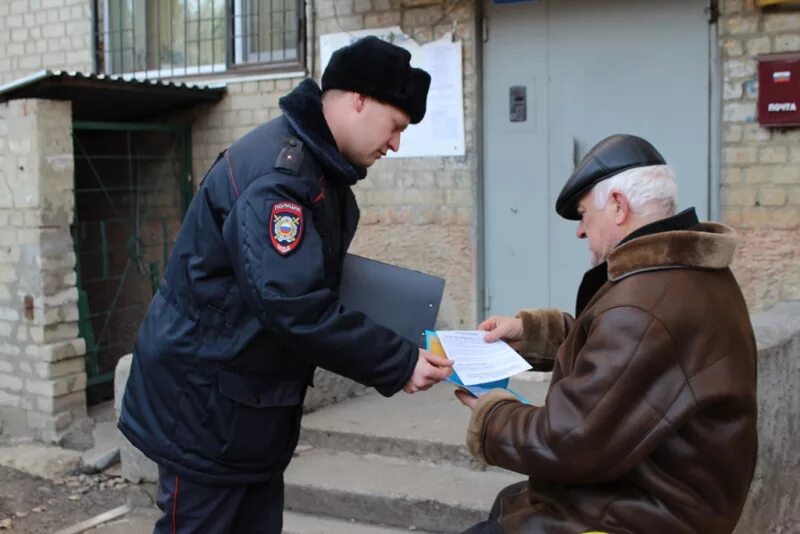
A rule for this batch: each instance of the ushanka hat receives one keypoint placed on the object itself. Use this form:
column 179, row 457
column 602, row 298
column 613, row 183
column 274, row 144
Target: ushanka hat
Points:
column 375, row 68
column 607, row 158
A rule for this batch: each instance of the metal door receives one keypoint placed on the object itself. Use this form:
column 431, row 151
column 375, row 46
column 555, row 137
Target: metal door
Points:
column 516, row 205
column 596, row 68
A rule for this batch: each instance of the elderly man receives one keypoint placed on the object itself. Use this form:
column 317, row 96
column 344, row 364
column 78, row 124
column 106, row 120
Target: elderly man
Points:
column 650, row 421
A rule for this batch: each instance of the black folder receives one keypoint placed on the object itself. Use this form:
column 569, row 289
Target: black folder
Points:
column 403, row 300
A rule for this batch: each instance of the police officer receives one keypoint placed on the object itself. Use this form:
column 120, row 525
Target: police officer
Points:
column 248, row 308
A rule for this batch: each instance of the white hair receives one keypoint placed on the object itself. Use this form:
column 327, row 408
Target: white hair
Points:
column 651, row 190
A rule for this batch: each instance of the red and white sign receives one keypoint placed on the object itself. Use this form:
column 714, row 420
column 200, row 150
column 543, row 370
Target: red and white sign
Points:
column 779, row 90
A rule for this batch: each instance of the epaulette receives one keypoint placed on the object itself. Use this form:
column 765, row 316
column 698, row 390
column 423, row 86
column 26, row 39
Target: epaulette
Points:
column 219, row 157
column 291, row 157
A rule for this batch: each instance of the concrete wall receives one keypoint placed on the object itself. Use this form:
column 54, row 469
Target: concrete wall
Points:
column 760, row 175
column 773, row 502
column 42, row 379
column 44, row 34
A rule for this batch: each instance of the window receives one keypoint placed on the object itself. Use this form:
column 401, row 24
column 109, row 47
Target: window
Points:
column 164, row 38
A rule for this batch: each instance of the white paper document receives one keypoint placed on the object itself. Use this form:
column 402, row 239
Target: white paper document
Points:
column 478, row 362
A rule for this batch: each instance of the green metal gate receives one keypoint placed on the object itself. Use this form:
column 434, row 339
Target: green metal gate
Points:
column 132, row 188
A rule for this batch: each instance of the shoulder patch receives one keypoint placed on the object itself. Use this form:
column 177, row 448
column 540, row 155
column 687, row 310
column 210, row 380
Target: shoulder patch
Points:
column 286, row 226
column 290, row 158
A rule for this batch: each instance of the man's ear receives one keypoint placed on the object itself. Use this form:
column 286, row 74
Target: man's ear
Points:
column 358, row 101
column 622, row 208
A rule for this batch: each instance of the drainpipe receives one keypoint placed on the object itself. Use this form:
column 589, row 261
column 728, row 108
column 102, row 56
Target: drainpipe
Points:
column 715, row 118
column 95, row 60
column 311, row 43
column 480, row 270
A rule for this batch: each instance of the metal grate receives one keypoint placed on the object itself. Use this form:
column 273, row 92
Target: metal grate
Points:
column 167, row 38
column 131, row 191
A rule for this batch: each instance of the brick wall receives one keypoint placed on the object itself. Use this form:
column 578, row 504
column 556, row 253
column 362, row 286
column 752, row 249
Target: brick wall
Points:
column 419, row 212
column 44, row 34
column 760, row 194
column 42, row 379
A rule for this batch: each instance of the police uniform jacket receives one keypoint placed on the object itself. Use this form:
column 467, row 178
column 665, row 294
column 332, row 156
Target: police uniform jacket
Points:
column 249, row 307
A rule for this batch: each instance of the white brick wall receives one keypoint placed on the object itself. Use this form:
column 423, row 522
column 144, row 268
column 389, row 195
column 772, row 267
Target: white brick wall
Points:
column 42, row 378
column 44, row 34
column 760, row 192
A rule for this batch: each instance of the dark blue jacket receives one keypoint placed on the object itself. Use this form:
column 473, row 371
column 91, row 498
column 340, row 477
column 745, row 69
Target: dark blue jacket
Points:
column 249, row 307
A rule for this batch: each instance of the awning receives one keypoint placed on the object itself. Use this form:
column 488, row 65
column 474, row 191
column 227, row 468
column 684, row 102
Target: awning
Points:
column 101, row 97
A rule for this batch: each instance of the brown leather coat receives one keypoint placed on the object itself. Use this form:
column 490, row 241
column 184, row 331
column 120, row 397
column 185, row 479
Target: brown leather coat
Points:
column 649, row 425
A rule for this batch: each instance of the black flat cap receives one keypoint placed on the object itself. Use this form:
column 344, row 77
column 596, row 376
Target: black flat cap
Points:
column 381, row 70
column 610, row 156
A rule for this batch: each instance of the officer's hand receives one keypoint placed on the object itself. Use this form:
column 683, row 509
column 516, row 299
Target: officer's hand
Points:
column 509, row 329
column 430, row 369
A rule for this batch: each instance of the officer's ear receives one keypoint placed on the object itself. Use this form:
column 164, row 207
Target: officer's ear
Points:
column 359, row 101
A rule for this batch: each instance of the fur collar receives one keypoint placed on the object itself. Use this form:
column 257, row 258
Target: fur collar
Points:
column 708, row 246
column 303, row 108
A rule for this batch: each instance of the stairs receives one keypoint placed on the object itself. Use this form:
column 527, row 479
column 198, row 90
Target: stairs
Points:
column 373, row 464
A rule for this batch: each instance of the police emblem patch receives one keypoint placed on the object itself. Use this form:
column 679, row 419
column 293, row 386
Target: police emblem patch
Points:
column 286, row 221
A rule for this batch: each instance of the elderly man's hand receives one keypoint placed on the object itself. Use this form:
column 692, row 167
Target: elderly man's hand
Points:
column 466, row 399
column 509, row 329
column 430, row 369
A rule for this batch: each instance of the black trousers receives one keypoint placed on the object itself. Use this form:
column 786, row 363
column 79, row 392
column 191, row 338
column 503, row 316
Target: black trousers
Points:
column 196, row 508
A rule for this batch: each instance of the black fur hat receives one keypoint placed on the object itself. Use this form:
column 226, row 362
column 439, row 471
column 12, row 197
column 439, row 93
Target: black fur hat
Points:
column 381, row 70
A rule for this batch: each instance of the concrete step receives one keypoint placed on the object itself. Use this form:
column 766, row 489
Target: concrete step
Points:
column 392, row 491
column 429, row 426
column 40, row 460
column 140, row 521
column 294, row 523
column 105, row 453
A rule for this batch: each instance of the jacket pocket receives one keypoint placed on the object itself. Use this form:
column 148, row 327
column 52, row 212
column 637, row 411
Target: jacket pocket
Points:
column 198, row 426
column 266, row 417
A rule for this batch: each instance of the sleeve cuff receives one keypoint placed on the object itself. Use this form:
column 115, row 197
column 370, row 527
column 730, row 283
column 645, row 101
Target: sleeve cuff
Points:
column 543, row 332
column 479, row 418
